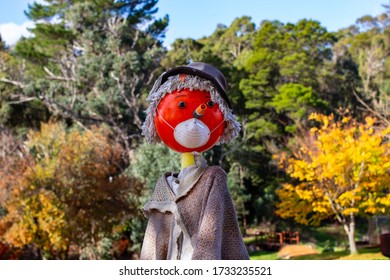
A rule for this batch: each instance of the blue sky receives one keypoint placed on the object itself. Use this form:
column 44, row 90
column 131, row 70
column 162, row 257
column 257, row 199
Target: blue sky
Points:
column 197, row 18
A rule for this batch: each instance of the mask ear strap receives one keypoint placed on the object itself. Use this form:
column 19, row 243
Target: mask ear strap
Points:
column 217, row 126
column 158, row 112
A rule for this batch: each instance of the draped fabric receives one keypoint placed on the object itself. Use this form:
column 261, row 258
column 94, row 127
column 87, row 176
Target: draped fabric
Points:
column 202, row 211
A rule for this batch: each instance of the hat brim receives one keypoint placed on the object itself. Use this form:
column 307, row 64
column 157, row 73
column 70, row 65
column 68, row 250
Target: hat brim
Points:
column 196, row 72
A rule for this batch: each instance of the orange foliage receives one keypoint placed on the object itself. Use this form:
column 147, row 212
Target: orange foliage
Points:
column 71, row 191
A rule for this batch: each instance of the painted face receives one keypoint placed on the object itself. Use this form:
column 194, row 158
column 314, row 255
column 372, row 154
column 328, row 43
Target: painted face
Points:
column 188, row 121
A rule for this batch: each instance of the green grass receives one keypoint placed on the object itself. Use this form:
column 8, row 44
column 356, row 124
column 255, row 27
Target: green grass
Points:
column 368, row 256
column 324, row 256
column 364, row 254
column 264, row 255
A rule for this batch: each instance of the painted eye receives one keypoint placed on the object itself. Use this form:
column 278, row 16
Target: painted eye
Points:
column 210, row 104
column 182, row 104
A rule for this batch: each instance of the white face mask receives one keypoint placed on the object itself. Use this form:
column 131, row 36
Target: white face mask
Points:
column 192, row 133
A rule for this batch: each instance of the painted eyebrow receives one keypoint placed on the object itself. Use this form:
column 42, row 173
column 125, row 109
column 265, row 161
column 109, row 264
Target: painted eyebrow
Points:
column 180, row 95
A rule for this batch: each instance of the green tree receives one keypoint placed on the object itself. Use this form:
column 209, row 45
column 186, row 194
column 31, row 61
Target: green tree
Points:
column 284, row 54
column 149, row 163
column 238, row 192
column 367, row 44
column 19, row 113
column 292, row 100
column 95, row 61
column 2, row 43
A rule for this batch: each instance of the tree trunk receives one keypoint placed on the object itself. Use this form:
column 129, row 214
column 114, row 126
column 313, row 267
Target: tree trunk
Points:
column 243, row 203
column 350, row 230
column 352, row 243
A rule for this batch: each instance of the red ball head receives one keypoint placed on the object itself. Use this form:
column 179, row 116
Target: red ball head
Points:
column 180, row 106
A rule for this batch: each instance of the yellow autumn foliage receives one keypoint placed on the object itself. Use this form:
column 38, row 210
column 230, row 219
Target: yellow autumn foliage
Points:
column 342, row 168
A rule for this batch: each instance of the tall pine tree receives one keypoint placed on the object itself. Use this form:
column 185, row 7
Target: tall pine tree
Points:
column 93, row 61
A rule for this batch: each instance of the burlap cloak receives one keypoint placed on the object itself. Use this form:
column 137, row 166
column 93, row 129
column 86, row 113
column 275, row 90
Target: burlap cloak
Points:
column 203, row 209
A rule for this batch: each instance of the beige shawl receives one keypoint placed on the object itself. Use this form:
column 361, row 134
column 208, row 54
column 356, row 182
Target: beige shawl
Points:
column 204, row 211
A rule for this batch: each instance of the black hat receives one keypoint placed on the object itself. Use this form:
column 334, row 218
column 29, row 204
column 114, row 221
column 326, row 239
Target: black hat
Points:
column 202, row 70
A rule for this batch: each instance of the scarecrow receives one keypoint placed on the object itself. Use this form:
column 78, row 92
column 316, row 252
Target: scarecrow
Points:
column 191, row 214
